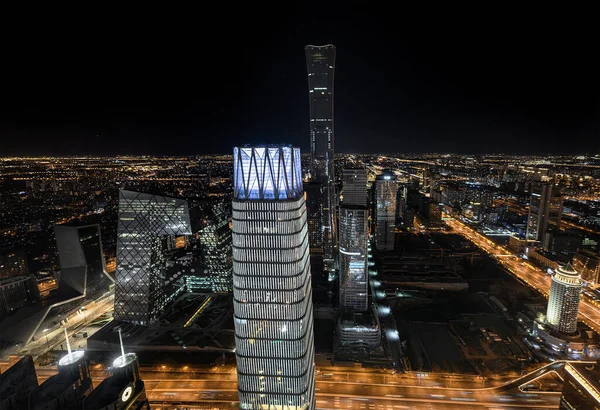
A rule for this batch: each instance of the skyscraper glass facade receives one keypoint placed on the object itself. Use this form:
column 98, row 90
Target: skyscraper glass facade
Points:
column 563, row 303
column 215, row 240
column 386, row 188
column 354, row 186
column 273, row 312
column 146, row 230
column 320, row 61
column 353, row 258
column 545, row 210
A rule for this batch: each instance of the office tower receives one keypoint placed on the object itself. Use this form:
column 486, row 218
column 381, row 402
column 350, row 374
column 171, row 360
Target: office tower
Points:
column 82, row 264
column 353, row 229
column 354, row 186
column 563, row 303
column 545, row 210
column 272, row 293
column 215, row 241
column 386, row 186
column 313, row 196
column 581, row 388
column 320, row 62
column 146, row 230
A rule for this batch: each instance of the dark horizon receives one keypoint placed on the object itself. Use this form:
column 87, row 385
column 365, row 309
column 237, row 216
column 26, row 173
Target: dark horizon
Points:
column 454, row 79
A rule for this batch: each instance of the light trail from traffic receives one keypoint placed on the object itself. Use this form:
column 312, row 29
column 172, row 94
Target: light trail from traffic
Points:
column 589, row 311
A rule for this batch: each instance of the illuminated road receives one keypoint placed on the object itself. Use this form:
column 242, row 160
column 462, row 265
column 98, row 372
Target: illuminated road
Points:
column 172, row 389
column 54, row 337
column 589, row 311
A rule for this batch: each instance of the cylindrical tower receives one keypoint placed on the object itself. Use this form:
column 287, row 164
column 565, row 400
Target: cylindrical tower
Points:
column 563, row 303
column 272, row 294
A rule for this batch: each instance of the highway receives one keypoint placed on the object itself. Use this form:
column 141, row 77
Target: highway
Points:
column 170, row 387
column 589, row 311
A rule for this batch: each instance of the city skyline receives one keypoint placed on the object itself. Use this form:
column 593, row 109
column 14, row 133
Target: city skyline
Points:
column 293, row 275
column 445, row 81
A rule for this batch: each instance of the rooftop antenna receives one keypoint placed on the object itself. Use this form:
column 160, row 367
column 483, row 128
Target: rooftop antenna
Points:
column 67, row 339
column 121, row 341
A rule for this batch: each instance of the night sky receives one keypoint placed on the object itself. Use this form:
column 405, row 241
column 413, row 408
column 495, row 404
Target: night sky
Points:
column 463, row 78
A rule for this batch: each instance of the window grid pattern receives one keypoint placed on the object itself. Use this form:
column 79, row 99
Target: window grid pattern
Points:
column 385, row 212
column 563, row 303
column 146, row 226
column 273, row 313
column 320, row 63
column 353, row 258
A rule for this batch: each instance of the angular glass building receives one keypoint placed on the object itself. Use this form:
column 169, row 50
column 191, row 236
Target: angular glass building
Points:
column 563, row 303
column 320, row 62
column 273, row 313
column 146, row 230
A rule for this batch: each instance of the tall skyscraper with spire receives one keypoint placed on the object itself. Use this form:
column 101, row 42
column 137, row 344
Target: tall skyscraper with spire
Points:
column 320, row 62
column 272, row 293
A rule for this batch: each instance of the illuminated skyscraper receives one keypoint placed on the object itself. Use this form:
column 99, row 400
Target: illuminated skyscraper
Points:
column 355, row 186
column 272, row 296
column 386, row 188
column 563, row 303
column 545, row 210
column 146, row 230
column 320, row 61
column 353, row 241
column 215, row 238
column 353, row 257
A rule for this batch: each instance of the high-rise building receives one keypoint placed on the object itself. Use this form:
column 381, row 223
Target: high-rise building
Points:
column 147, row 227
column 353, row 230
column 386, row 186
column 320, row 61
column 313, row 196
column 215, row 240
column 354, row 186
column 581, row 389
column 354, row 277
column 273, row 313
column 81, row 256
column 545, row 210
column 563, row 303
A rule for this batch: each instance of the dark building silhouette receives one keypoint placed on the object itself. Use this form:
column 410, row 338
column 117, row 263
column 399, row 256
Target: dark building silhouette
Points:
column 320, row 61
column 16, row 384
column 123, row 390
